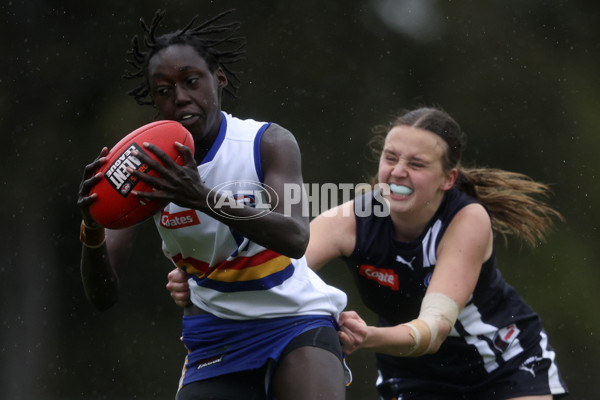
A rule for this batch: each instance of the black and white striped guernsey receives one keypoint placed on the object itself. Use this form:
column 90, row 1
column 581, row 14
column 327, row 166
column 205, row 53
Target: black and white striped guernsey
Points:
column 495, row 331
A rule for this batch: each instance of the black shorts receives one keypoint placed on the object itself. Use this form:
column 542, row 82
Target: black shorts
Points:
column 323, row 337
column 253, row 384
column 533, row 374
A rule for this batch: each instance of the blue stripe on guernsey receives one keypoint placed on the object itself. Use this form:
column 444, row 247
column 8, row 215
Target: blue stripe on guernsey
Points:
column 239, row 240
column 218, row 141
column 265, row 283
column 257, row 161
column 217, row 257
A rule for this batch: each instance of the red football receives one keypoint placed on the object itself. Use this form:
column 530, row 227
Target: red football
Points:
column 115, row 207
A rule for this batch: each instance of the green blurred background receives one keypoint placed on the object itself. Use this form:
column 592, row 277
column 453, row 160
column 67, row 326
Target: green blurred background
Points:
column 521, row 77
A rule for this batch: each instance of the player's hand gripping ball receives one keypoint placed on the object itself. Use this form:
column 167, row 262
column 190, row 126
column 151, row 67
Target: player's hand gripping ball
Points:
column 115, row 207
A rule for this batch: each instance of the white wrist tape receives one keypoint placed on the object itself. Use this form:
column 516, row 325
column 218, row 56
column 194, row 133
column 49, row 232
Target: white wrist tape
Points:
column 435, row 308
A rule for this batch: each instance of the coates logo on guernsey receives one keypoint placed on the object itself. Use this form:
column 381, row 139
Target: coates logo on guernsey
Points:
column 179, row 220
column 229, row 196
column 385, row 277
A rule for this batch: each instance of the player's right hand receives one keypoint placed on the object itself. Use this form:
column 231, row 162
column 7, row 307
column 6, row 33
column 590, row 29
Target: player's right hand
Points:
column 90, row 178
column 178, row 287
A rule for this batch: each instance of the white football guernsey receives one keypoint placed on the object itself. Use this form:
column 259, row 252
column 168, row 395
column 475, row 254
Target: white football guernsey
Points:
column 231, row 277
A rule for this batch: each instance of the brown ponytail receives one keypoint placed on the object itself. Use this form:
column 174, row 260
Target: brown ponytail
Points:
column 515, row 201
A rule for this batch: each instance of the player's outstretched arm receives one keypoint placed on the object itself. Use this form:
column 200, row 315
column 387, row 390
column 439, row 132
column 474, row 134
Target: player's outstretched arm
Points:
column 102, row 250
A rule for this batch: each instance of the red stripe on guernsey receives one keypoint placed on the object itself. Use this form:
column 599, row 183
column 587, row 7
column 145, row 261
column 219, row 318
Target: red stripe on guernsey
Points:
column 179, row 219
column 201, row 269
column 385, row 277
column 192, row 266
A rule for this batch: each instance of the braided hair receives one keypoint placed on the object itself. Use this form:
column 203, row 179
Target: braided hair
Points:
column 218, row 44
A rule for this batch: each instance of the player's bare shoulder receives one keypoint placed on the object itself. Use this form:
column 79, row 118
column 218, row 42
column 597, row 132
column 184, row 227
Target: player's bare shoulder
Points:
column 276, row 136
column 339, row 223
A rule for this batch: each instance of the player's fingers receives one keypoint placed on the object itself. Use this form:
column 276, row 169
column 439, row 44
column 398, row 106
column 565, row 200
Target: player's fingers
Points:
column 84, row 202
column 103, row 153
column 149, row 196
column 91, row 168
column 186, row 153
column 150, row 162
column 87, row 184
column 174, row 275
column 357, row 326
column 347, row 346
column 177, row 287
column 158, row 152
column 146, row 159
column 181, row 298
column 99, row 160
column 156, row 182
column 177, row 275
column 90, row 178
column 347, row 316
column 180, row 294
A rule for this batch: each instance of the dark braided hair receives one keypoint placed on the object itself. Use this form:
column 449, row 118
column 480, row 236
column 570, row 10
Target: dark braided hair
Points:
column 219, row 45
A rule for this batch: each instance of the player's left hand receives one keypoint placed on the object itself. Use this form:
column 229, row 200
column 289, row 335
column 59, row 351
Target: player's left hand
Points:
column 179, row 184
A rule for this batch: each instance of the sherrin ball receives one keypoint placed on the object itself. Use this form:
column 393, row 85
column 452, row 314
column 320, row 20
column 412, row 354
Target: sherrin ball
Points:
column 115, row 207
